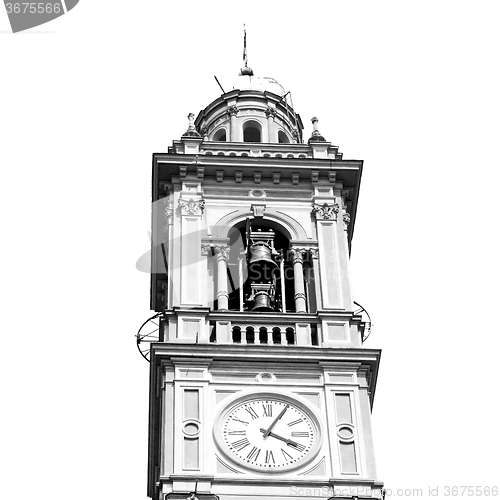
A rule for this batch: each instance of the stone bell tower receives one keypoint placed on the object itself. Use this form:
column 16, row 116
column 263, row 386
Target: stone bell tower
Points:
column 260, row 385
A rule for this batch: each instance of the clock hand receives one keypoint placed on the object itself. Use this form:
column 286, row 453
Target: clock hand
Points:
column 268, row 431
column 290, row 442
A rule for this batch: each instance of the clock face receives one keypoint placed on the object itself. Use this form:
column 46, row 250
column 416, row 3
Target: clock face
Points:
column 269, row 434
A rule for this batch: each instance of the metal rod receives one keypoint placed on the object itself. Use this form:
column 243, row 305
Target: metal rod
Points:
column 223, row 91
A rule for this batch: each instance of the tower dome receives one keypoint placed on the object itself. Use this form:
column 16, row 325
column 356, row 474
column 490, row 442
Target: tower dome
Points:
column 257, row 109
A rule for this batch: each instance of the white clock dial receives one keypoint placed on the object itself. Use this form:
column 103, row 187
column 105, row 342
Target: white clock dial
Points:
column 269, row 434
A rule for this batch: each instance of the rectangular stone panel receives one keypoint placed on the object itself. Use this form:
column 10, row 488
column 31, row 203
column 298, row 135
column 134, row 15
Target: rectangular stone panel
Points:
column 348, row 458
column 343, row 409
column 191, row 455
column 336, row 331
column 191, row 404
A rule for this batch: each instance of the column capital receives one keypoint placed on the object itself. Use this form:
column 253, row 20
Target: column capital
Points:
column 298, row 254
column 314, row 252
column 191, row 207
column 232, row 110
column 205, row 249
column 271, row 112
column 167, row 214
column 222, row 252
column 346, row 218
column 325, row 211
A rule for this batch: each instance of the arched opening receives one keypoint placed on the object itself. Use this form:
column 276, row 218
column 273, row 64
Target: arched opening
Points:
column 263, row 335
column 220, row 135
column 276, row 335
column 236, row 335
column 250, row 335
column 260, row 273
column 252, row 131
column 283, row 138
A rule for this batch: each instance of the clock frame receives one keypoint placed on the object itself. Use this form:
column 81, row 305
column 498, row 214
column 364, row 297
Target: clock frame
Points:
column 268, row 432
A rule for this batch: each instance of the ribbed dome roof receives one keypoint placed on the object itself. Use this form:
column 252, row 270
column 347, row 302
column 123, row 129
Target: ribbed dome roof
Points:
column 247, row 82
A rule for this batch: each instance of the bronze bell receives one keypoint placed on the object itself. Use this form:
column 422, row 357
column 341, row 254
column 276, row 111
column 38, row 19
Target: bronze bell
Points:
column 261, row 263
column 262, row 302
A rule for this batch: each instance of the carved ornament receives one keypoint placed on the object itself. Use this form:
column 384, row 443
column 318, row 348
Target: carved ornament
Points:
column 297, row 254
column 271, row 112
column 314, row 252
column 325, row 211
column 191, row 207
column 222, row 252
column 346, row 218
column 205, row 249
column 232, row 110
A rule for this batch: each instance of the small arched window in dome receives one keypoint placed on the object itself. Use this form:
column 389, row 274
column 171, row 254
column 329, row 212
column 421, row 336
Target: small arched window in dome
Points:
column 252, row 131
column 220, row 135
column 283, row 138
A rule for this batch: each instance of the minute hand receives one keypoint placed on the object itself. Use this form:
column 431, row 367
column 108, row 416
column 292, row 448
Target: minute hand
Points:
column 268, row 431
column 287, row 441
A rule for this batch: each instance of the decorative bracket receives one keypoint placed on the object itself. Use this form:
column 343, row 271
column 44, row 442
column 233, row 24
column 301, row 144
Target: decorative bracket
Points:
column 258, row 210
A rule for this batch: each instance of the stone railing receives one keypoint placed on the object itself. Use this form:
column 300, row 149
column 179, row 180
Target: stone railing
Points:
column 247, row 329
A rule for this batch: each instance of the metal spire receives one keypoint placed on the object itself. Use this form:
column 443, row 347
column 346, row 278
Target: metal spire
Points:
column 245, row 57
column 245, row 70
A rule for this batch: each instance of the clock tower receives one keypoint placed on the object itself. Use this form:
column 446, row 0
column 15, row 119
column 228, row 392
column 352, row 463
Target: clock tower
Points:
column 260, row 385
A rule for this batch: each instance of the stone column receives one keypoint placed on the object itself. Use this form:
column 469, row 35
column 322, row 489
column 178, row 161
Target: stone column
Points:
column 191, row 265
column 222, row 253
column 233, row 129
column 328, row 243
column 298, row 279
column 271, row 129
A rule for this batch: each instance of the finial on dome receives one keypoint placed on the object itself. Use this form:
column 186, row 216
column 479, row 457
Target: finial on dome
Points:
column 245, row 70
column 191, row 131
column 316, row 136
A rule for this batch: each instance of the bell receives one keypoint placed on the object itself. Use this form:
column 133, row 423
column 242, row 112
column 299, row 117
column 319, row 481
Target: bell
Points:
column 262, row 302
column 261, row 263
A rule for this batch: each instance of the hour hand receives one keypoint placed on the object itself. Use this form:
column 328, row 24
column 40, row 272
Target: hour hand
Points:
column 290, row 442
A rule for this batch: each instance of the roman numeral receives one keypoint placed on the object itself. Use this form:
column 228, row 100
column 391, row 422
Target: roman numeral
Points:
column 236, row 433
column 236, row 419
column 269, row 457
column 298, row 447
column 254, row 453
column 300, row 434
column 252, row 412
column 295, row 422
column 286, row 455
column 240, row 444
column 268, row 410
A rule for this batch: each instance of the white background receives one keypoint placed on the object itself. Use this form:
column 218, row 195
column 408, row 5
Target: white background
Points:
column 412, row 88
